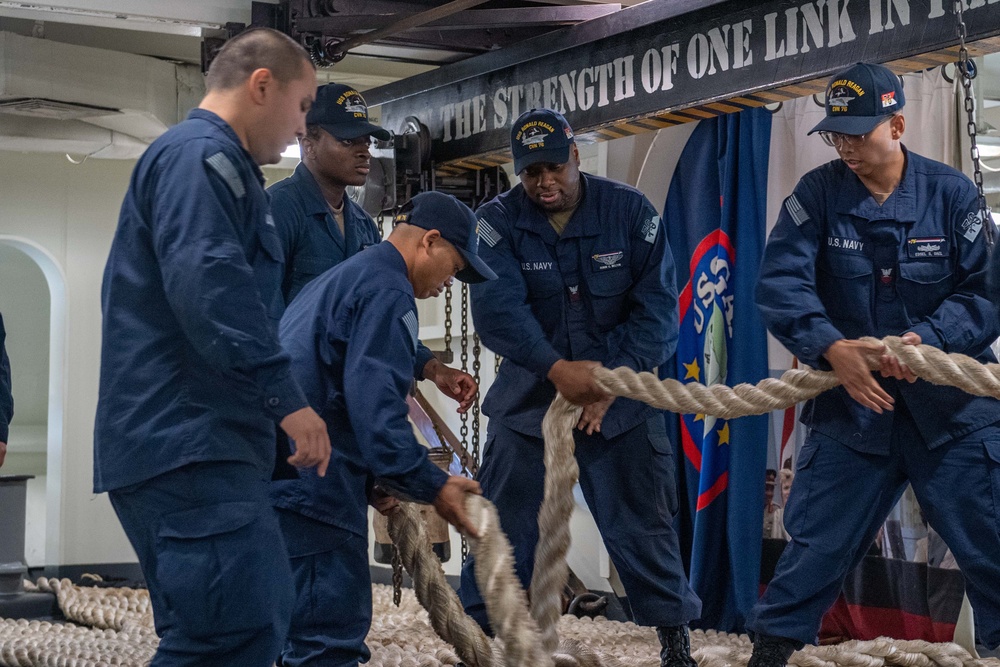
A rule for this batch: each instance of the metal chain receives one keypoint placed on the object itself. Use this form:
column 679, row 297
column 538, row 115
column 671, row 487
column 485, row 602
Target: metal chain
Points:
column 447, row 319
column 476, row 352
column 970, row 108
column 381, row 225
column 464, row 430
column 397, row 576
column 496, row 364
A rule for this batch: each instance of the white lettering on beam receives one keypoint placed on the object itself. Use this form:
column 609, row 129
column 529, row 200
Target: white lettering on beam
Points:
column 822, row 22
column 875, row 7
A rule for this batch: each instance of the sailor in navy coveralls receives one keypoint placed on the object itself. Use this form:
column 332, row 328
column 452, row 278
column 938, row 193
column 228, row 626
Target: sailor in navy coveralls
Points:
column 586, row 277
column 193, row 378
column 352, row 336
column 880, row 242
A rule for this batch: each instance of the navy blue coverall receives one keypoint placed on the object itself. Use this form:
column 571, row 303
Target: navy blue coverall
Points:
column 838, row 265
column 311, row 239
column 352, row 336
column 6, row 398
column 309, row 235
column 193, row 381
column 604, row 291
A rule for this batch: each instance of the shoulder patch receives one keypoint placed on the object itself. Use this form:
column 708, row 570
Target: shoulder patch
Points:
column 410, row 320
column 972, row 225
column 488, row 234
column 649, row 229
column 221, row 165
column 795, row 210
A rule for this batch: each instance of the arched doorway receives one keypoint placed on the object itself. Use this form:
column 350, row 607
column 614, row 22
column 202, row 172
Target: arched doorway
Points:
column 34, row 305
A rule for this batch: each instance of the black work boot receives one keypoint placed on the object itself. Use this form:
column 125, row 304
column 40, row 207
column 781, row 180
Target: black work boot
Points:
column 676, row 643
column 770, row 651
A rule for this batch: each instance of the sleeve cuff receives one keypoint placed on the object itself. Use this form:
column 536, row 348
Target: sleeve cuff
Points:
column 283, row 397
column 624, row 360
column 817, row 344
column 424, row 355
column 541, row 358
column 422, row 485
column 928, row 336
column 4, row 433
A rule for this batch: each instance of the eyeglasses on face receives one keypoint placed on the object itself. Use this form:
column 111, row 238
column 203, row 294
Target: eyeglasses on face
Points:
column 838, row 139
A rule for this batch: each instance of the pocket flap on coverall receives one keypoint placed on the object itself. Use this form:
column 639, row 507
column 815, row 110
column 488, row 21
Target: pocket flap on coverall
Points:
column 847, row 266
column 202, row 522
column 926, row 273
column 609, row 283
column 993, row 450
column 271, row 244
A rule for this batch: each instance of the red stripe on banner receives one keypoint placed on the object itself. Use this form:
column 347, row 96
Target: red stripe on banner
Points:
column 684, row 299
column 788, row 425
column 856, row 621
column 716, row 237
column 692, row 453
column 787, row 428
column 705, row 499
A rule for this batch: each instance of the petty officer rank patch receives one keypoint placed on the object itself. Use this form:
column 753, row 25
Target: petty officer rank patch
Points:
column 971, row 225
column 410, row 320
column 649, row 229
column 607, row 260
column 928, row 246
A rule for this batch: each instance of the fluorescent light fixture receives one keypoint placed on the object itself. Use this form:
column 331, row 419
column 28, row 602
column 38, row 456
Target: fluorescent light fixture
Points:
column 292, row 152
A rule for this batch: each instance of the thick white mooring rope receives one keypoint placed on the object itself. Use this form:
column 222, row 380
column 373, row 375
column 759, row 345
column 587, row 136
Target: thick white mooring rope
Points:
column 121, row 623
column 551, row 573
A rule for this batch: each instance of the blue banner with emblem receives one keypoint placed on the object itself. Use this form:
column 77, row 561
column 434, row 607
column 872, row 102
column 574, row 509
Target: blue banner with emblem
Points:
column 715, row 213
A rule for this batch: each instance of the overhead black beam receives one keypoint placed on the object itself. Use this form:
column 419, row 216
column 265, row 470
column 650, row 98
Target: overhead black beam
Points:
column 474, row 18
column 406, row 23
column 472, row 40
column 578, row 36
column 349, row 7
column 652, row 59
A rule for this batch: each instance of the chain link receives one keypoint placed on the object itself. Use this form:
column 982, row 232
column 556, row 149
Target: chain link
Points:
column 476, row 353
column 381, row 225
column 447, row 319
column 397, row 576
column 496, row 365
column 970, row 110
column 464, row 430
